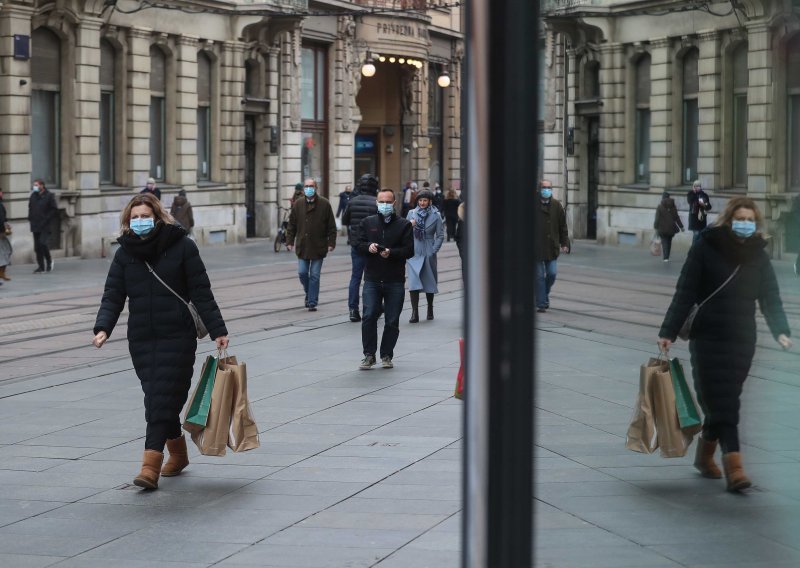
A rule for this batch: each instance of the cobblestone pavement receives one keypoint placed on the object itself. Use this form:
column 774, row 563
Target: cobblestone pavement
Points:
column 362, row 469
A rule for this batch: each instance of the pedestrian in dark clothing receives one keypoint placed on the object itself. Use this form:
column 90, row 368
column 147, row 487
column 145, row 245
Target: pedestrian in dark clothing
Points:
column 152, row 188
column 42, row 209
column 313, row 225
column 409, row 198
column 722, row 340
column 667, row 223
column 361, row 206
column 450, row 210
column 423, row 275
column 460, row 236
column 344, row 199
column 181, row 211
column 298, row 194
column 386, row 241
column 162, row 337
column 5, row 243
column 438, row 196
column 553, row 239
column 699, row 206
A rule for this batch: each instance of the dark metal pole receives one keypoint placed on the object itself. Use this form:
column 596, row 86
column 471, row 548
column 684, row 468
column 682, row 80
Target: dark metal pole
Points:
column 501, row 78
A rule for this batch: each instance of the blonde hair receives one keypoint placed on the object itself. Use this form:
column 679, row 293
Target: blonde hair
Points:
column 726, row 217
column 160, row 214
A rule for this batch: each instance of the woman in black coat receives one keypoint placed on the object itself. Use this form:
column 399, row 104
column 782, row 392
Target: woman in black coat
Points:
column 667, row 223
column 162, row 336
column 722, row 341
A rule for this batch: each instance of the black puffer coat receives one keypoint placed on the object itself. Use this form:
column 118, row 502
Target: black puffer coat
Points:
column 723, row 338
column 360, row 207
column 161, row 332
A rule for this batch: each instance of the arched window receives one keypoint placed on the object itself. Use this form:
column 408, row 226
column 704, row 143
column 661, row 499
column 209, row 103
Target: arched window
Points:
column 642, row 97
column 158, row 110
column 690, row 90
column 107, row 111
column 741, row 81
column 46, row 106
column 203, row 116
column 793, row 99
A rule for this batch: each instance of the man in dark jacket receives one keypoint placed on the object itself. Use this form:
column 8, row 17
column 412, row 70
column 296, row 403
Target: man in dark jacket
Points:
column 181, row 211
column 312, row 223
column 344, row 199
column 152, row 188
column 360, row 207
column 699, row 205
column 553, row 239
column 386, row 241
column 42, row 209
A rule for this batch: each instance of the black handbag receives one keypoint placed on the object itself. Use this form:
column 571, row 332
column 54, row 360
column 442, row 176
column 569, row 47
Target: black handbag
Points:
column 198, row 321
column 686, row 328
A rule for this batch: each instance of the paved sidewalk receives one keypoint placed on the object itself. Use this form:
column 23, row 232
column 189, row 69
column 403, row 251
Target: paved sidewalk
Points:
column 361, row 469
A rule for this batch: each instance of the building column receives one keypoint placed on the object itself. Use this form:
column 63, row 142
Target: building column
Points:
column 15, row 122
column 342, row 135
column 451, row 131
column 709, row 105
column 760, row 112
column 612, row 117
column 291, row 134
column 186, row 111
column 138, row 107
column 232, row 75
column 416, row 118
column 660, row 113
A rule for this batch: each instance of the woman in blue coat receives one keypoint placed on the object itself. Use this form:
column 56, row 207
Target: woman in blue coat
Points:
column 162, row 337
column 428, row 239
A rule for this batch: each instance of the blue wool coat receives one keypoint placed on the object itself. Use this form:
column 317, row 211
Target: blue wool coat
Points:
column 421, row 269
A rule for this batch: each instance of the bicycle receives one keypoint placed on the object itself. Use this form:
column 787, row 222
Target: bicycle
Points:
column 280, row 236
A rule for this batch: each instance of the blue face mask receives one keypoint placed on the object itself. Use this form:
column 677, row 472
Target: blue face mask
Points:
column 142, row 226
column 385, row 209
column 309, row 191
column 547, row 193
column 743, row 228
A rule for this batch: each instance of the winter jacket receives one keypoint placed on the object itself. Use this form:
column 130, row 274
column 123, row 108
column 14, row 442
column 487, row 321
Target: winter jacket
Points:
column 313, row 225
column 438, row 200
column 552, row 229
column 422, row 268
column 450, row 208
column 181, row 210
column 344, row 199
column 156, row 192
column 359, row 208
column 667, row 221
column 459, row 236
column 698, row 217
column 42, row 209
column 396, row 235
column 161, row 334
column 723, row 336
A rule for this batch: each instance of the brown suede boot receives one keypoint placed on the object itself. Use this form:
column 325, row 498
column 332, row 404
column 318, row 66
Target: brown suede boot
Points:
column 178, row 457
column 3, row 273
column 151, row 467
column 734, row 472
column 704, row 459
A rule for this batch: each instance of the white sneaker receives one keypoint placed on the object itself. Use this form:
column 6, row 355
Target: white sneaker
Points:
column 51, row 266
column 386, row 362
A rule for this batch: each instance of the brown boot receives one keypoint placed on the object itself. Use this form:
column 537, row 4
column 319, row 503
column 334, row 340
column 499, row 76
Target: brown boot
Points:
column 178, row 457
column 151, row 467
column 734, row 472
column 704, row 459
column 3, row 273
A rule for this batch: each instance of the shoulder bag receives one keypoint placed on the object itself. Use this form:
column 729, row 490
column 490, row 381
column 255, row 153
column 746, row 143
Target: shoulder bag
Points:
column 686, row 328
column 198, row 321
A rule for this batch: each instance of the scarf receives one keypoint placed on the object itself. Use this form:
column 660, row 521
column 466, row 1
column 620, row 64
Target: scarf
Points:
column 422, row 217
column 153, row 245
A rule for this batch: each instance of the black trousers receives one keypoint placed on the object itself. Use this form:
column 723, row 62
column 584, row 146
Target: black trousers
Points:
column 41, row 250
column 159, row 432
column 451, row 227
column 666, row 246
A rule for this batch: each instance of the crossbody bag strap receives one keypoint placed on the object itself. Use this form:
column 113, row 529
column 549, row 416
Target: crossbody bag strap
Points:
column 721, row 286
column 153, row 272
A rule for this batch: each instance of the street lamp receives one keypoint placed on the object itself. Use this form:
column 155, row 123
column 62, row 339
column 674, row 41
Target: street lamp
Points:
column 368, row 69
column 444, row 79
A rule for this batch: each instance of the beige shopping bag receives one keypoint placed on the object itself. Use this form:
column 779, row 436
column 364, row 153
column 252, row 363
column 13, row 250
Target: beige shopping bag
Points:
column 243, row 432
column 655, row 422
column 213, row 439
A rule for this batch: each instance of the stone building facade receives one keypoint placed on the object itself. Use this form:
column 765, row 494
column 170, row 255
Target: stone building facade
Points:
column 647, row 97
column 233, row 101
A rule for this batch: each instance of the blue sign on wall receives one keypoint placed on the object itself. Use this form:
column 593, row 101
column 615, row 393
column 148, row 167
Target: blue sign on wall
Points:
column 365, row 144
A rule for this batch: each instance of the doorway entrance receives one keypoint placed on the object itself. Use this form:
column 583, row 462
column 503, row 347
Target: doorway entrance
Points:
column 367, row 157
column 250, row 173
column 593, row 175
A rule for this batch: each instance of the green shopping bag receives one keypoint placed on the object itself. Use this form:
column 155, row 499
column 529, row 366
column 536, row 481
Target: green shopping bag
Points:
column 200, row 403
column 688, row 416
